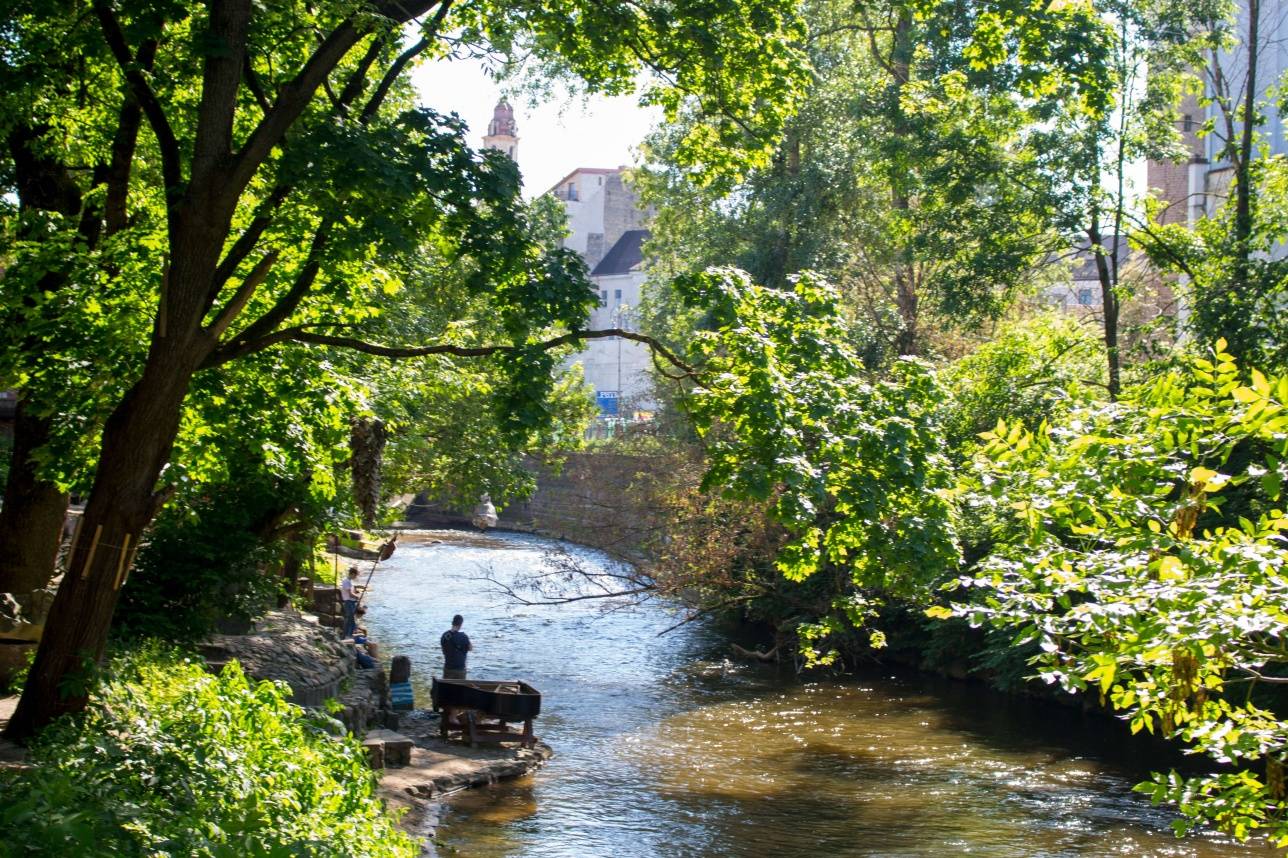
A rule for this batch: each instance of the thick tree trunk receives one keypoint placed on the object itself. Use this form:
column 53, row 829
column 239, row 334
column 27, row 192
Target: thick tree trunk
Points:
column 31, row 519
column 137, row 441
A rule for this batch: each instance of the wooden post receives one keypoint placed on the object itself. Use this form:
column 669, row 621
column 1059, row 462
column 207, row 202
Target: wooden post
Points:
column 120, row 564
column 93, row 546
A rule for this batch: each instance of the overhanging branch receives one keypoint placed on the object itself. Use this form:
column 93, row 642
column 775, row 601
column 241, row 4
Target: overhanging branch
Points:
column 304, row 334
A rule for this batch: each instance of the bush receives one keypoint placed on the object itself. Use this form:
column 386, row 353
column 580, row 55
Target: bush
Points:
column 207, row 558
column 170, row 760
column 1032, row 370
column 1145, row 563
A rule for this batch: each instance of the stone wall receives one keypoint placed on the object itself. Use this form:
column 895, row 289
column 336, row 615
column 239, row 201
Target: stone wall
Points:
column 294, row 649
column 595, row 500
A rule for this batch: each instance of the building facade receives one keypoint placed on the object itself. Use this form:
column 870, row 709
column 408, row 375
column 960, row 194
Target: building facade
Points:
column 1200, row 183
column 607, row 227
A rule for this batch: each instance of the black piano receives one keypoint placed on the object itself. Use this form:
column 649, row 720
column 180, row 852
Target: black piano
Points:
column 481, row 709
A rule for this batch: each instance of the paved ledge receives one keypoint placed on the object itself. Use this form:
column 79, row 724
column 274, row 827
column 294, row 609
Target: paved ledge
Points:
column 439, row 768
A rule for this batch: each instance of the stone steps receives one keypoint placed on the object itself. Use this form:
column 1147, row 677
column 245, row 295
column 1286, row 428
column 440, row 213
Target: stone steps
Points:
column 385, row 748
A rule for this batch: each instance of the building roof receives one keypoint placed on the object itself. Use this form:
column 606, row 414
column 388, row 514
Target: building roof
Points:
column 624, row 256
column 593, row 171
column 1084, row 261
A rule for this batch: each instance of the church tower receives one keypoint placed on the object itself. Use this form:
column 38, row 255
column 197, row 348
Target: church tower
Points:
column 503, row 131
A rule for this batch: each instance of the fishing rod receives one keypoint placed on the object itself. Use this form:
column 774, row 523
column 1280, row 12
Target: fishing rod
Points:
column 386, row 551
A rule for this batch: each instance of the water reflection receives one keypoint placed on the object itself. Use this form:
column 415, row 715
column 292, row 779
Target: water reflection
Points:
column 664, row 748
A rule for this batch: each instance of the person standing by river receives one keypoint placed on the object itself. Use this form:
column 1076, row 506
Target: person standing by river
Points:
column 456, row 646
column 349, row 602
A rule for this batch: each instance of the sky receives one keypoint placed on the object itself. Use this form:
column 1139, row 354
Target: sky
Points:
column 555, row 138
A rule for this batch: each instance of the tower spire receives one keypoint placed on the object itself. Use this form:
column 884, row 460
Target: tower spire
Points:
column 503, row 131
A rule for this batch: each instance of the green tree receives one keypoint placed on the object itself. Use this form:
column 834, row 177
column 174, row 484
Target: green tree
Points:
column 284, row 185
column 850, row 465
column 914, row 176
column 1145, row 560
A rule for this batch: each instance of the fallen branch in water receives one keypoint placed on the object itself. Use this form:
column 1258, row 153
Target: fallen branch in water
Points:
column 755, row 654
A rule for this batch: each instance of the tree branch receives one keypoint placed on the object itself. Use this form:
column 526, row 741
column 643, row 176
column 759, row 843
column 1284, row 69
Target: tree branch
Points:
column 353, row 87
column 301, row 334
column 242, row 296
column 246, row 242
column 264, row 327
column 117, row 174
column 171, row 166
column 256, row 88
column 220, row 81
column 295, row 96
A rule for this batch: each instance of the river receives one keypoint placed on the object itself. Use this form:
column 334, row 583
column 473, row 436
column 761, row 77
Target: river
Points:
column 664, row 747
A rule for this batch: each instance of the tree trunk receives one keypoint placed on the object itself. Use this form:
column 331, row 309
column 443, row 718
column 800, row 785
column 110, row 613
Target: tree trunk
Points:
column 1243, row 160
column 906, row 298
column 31, row 519
column 137, row 441
column 1109, row 297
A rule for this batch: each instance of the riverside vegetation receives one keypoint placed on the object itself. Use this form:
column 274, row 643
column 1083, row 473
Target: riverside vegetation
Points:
column 243, row 268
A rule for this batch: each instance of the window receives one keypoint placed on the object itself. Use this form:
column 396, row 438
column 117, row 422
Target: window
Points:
column 603, row 298
column 1084, row 297
column 572, row 191
column 1187, row 123
column 617, row 295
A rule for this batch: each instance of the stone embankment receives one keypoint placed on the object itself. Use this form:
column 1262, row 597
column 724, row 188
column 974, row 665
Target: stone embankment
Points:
column 416, row 767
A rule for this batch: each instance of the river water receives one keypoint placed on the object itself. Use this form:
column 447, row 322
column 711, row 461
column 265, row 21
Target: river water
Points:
column 663, row 747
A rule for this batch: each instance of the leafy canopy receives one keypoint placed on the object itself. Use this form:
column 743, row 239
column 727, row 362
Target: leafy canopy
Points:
column 1149, row 568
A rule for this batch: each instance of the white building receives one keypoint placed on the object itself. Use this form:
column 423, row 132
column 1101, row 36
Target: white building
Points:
column 606, row 227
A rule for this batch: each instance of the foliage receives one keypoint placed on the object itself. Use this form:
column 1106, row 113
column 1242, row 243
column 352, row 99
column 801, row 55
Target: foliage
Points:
column 852, row 467
column 1252, row 318
column 168, row 759
column 913, row 176
column 1148, row 566
column 1029, row 371
column 210, row 556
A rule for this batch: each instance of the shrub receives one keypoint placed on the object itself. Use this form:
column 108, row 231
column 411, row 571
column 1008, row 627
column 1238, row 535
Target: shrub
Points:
column 207, row 559
column 1148, row 569
column 1032, row 370
column 170, row 760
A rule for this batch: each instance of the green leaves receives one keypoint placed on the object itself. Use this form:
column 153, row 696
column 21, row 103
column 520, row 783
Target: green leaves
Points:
column 1148, row 562
column 169, row 758
column 852, row 466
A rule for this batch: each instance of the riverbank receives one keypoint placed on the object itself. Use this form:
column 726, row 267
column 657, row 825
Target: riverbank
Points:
column 293, row 648
column 437, row 769
column 414, row 768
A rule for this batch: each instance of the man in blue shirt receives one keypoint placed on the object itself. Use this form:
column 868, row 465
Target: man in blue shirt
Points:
column 456, row 645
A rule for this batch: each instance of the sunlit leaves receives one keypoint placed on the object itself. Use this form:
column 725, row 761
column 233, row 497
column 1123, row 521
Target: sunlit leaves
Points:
column 1150, row 569
column 852, row 466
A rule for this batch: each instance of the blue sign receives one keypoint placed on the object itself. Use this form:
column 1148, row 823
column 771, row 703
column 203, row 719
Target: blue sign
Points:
column 607, row 402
